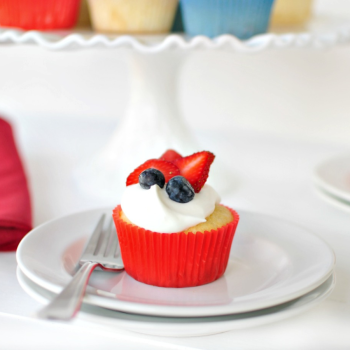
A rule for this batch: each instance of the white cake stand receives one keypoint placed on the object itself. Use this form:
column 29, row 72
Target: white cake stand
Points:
column 152, row 121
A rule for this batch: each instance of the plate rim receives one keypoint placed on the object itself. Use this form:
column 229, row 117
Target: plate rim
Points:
column 177, row 311
column 332, row 200
column 325, row 185
column 266, row 318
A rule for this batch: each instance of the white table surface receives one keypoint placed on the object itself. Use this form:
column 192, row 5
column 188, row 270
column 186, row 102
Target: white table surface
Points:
column 270, row 175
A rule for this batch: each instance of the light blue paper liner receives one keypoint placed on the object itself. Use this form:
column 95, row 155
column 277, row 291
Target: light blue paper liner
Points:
column 242, row 18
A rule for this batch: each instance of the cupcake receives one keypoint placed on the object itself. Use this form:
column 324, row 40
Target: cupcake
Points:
column 242, row 18
column 290, row 12
column 39, row 14
column 172, row 230
column 133, row 16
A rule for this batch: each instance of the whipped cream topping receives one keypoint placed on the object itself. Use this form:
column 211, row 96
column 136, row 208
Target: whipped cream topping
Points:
column 153, row 209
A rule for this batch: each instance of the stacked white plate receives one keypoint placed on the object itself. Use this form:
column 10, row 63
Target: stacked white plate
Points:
column 332, row 181
column 276, row 270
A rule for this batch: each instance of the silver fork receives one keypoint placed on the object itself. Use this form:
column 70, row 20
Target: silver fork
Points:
column 101, row 251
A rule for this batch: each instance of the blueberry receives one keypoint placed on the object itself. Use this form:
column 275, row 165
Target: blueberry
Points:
column 179, row 190
column 151, row 177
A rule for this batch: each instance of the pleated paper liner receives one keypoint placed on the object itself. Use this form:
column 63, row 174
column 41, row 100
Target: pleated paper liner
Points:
column 130, row 16
column 291, row 12
column 242, row 18
column 39, row 14
column 177, row 259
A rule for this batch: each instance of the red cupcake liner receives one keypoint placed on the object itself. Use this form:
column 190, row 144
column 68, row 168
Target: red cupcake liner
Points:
column 177, row 259
column 39, row 14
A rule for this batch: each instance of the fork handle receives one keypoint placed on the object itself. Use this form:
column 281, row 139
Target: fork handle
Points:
column 66, row 304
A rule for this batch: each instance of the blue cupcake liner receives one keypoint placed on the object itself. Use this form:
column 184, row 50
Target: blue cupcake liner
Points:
column 242, row 18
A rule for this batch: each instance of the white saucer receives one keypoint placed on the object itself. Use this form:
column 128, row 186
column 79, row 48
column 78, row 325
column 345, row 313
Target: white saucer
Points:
column 186, row 327
column 333, row 176
column 333, row 200
column 272, row 262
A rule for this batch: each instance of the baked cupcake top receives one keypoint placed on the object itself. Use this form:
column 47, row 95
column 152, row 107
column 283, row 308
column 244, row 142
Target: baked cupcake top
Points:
column 169, row 194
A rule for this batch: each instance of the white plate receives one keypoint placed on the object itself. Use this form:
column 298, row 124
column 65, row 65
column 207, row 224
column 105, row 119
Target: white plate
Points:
column 333, row 176
column 272, row 261
column 186, row 327
column 333, row 200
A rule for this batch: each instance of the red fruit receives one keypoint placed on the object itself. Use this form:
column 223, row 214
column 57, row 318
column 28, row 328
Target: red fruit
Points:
column 195, row 168
column 170, row 155
column 168, row 169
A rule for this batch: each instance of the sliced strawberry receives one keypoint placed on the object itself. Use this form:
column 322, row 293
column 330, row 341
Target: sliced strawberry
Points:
column 168, row 169
column 195, row 168
column 170, row 155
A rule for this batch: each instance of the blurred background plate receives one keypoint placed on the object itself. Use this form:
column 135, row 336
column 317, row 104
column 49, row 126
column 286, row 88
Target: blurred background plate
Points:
column 333, row 200
column 333, row 176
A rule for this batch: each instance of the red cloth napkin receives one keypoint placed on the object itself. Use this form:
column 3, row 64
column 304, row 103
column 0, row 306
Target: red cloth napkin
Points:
column 15, row 208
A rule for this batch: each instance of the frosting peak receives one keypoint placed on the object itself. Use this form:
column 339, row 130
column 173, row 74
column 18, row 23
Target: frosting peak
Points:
column 153, row 209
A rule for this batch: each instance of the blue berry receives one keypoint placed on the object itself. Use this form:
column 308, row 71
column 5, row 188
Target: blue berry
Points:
column 151, row 177
column 179, row 190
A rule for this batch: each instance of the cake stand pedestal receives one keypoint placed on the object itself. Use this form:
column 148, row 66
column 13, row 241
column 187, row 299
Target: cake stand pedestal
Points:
column 151, row 124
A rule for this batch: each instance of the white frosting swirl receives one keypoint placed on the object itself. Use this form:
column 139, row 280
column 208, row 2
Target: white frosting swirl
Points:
column 153, row 209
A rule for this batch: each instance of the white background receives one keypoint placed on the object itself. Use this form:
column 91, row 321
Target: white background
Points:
column 299, row 93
